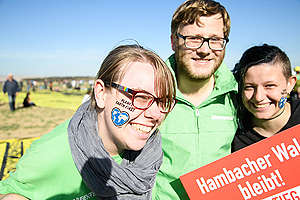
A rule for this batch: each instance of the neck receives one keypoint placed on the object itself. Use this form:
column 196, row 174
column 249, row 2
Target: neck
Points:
column 269, row 127
column 106, row 138
column 195, row 90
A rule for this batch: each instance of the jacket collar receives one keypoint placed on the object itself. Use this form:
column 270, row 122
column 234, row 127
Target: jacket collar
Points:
column 224, row 80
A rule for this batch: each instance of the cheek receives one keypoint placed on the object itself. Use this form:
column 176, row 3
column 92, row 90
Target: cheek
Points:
column 275, row 95
column 125, row 104
column 246, row 96
column 118, row 117
column 122, row 112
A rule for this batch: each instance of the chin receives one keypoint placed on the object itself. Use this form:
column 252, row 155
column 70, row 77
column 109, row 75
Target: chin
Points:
column 137, row 146
column 264, row 116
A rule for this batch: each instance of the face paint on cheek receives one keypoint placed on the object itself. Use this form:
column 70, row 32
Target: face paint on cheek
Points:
column 119, row 118
column 283, row 99
column 126, row 104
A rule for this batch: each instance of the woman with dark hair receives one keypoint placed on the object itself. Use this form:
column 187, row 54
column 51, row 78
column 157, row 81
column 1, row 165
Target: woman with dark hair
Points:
column 27, row 102
column 265, row 79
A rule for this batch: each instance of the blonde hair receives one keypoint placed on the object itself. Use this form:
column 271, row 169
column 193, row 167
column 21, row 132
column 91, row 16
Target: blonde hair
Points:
column 190, row 10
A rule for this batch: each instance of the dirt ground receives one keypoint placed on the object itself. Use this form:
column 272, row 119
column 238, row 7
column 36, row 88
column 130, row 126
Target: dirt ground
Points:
column 30, row 122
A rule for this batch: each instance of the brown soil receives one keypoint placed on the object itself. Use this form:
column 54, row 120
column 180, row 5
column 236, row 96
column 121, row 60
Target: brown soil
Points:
column 30, row 122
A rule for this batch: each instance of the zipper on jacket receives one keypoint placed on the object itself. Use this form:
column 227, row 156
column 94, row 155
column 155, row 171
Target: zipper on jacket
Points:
column 197, row 118
column 197, row 112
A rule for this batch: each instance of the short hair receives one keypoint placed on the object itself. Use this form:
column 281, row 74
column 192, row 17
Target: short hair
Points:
column 115, row 65
column 190, row 10
column 254, row 56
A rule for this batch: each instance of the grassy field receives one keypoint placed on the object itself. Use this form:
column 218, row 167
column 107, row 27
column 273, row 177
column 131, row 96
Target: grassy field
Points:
column 52, row 109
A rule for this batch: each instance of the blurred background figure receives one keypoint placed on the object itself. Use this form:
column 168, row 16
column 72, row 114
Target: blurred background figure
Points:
column 11, row 87
column 27, row 102
column 87, row 96
column 296, row 90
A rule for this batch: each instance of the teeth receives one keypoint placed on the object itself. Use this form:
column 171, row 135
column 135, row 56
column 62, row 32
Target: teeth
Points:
column 261, row 105
column 141, row 128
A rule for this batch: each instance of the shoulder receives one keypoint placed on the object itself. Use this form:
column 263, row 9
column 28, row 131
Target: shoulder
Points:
column 47, row 153
column 295, row 104
column 48, row 161
column 295, row 114
column 244, row 138
column 224, row 79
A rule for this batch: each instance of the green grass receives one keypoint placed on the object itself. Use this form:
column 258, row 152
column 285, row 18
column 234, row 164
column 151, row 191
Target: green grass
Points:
column 64, row 100
column 52, row 109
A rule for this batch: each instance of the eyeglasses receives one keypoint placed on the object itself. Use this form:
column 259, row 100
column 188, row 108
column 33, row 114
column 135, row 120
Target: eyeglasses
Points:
column 195, row 42
column 142, row 100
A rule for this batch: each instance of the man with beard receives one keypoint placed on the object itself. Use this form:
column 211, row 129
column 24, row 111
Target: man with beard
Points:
column 201, row 127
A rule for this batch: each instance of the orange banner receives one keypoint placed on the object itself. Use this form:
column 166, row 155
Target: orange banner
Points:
column 269, row 169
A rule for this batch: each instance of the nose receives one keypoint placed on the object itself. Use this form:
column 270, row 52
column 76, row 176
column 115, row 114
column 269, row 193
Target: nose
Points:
column 204, row 48
column 259, row 94
column 153, row 112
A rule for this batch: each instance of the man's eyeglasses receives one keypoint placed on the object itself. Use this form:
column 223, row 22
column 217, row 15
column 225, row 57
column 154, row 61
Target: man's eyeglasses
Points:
column 142, row 100
column 195, row 42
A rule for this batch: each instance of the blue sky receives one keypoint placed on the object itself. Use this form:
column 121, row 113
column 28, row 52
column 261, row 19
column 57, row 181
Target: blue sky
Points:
column 71, row 37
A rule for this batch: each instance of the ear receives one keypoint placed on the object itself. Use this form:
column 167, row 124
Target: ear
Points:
column 100, row 93
column 291, row 83
column 173, row 41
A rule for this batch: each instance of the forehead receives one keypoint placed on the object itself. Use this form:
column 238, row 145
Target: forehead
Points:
column 206, row 25
column 264, row 72
column 139, row 75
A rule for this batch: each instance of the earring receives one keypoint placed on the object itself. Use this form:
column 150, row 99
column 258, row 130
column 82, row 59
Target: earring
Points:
column 282, row 101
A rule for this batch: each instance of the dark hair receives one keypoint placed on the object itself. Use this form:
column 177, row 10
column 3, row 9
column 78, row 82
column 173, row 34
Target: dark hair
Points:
column 254, row 56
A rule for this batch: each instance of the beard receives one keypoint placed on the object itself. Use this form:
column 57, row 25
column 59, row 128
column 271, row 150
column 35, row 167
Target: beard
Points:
column 197, row 73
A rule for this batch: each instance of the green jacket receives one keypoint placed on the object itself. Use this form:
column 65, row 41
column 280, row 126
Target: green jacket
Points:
column 47, row 171
column 193, row 136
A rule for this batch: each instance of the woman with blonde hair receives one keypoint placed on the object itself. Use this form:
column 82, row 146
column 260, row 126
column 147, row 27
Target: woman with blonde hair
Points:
column 111, row 148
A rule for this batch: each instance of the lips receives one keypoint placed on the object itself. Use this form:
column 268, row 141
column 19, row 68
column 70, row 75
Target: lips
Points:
column 201, row 59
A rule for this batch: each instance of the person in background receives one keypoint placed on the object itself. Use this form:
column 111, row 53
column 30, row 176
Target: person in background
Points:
column 87, row 96
column 27, row 101
column 295, row 93
column 202, row 125
column 111, row 148
column 11, row 87
column 265, row 79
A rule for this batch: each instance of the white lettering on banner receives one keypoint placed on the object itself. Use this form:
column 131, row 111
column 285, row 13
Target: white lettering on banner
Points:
column 86, row 196
column 253, row 175
column 265, row 184
column 282, row 152
column 230, row 176
column 291, row 194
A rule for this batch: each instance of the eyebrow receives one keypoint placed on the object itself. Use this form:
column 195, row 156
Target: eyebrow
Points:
column 211, row 36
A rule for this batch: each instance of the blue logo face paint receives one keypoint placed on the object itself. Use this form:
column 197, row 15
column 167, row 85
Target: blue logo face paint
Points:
column 282, row 102
column 119, row 118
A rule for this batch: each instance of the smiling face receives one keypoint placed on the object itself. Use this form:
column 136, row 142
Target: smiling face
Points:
column 120, row 125
column 203, row 62
column 264, row 85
